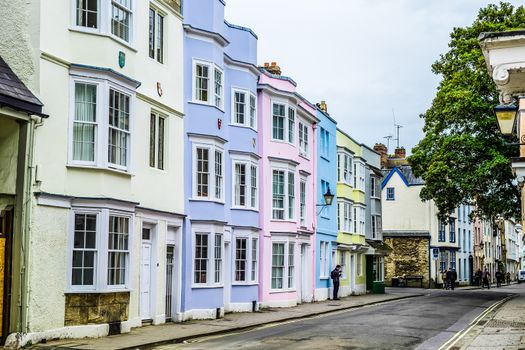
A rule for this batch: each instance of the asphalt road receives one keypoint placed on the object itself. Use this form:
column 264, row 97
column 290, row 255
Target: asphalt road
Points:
column 420, row 323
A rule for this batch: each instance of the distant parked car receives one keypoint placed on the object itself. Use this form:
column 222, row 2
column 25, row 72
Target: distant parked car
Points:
column 521, row 276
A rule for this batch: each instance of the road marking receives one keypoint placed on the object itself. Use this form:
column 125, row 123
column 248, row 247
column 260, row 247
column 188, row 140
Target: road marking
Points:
column 458, row 336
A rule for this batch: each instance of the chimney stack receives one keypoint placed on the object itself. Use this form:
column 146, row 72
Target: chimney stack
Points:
column 323, row 106
column 400, row 152
column 383, row 152
column 272, row 68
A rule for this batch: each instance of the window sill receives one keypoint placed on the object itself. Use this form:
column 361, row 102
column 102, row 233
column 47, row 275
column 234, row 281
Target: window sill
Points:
column 245, row 284
column 201, row 103
column 207, row 286
column 94, row 291
column 283, row 141
column 283, row 221
column 206, row 200
column 277, row 291
column 97, row 168
column 247, row 209
column 106, row 35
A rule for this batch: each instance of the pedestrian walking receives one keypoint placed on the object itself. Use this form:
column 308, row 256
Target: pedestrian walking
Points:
column 477, row 278
column 444, row 277
column 499, row 277
column 453, row 278
column 486, row 279
column 508, row 278
column 336, row 275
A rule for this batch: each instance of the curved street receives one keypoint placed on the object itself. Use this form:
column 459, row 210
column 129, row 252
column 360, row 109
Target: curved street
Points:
column 419, row 323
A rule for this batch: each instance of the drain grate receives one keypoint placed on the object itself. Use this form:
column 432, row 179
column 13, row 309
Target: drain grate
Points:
column 505, row 324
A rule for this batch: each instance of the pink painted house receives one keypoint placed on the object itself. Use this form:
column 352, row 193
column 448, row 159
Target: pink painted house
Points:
column 287, row 146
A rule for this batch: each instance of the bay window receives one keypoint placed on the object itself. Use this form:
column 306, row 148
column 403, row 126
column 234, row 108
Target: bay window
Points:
column 87, row 13
column 344, row 167
column 283, row 266
column 208, row 76
column 100, row 250
column 101, row 123
column 207, row 255
column 283, row 194
column 345, row 215
column 245, row 185
column 246, row 258
column 303, row 139
column 243, row 108
column 208, row 165
column 359, row 175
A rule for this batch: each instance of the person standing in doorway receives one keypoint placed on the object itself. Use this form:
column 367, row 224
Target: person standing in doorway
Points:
column 336, row 276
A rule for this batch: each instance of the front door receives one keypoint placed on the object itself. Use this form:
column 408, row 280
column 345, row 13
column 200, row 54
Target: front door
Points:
column 305, row 274
column 227, row 275
column 145, row 275
column 352, row 273
column 6, row 235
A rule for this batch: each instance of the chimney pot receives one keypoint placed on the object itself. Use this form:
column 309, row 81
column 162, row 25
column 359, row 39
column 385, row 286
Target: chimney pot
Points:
column 323, row 106
column 274, row 64
column 400, row 152
column 266, row 65
column 383, row 152
column 273, row 68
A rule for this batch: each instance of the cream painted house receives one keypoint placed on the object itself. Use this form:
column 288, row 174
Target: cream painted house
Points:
column 412, row 225
column 104, row 229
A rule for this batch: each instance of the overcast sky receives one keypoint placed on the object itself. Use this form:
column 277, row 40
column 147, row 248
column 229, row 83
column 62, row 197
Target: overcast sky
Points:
column 364, row 57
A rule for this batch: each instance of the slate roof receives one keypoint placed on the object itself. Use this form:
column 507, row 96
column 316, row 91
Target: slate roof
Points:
column 406, row 173
column 14, row 94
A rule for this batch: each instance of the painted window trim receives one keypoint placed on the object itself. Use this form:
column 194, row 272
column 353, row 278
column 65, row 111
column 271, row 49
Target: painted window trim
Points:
column 212, row 145
column 393, row 197
column 247, row 108
column 211, row 231
column 341, row 215
column 249, row 236
column 248, row 161
column 104, row 22
column 159, row 12
column 100, row 284
column 286, row 126
column 104, row 85
column 286, row 243
column 287, row 169
column 341, row 156
column 159, row 115
column 211, row 83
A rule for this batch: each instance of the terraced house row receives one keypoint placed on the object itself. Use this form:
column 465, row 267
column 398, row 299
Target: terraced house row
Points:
column 152, row 172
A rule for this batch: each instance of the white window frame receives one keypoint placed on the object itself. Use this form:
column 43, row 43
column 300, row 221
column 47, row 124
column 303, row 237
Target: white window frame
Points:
column 100, row 277
column 287, row 133
column 250, row 237
column 359, row 175
column 286, row 242
column 359, row 264
column 104, row 26
column 390, row 194
column 287, row 169
column 211, row 231
column 212, row 67
column 345, row 213
column 344, row 167
column 303, row 199
column 104, row 84
column 304, row 143
column 249, row 122
column 249, row 162
column 359, row 219
column 158, row 13
column 343, row 262
column 213, row 146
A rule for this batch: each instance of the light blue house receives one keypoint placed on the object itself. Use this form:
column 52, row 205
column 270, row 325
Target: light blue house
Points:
column 220, row 259
column 327, row 216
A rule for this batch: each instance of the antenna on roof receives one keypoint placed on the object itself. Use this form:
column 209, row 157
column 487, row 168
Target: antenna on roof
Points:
column 387, row 137
column 397, row 126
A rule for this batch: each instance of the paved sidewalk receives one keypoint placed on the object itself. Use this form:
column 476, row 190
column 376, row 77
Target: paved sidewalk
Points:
column 500, row 329
column 149, row 336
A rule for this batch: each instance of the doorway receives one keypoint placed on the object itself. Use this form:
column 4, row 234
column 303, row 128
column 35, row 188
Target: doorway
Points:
column 145, row 275
column 352, row 273
column 173, row 264
column 305, row 274
column 227, row 275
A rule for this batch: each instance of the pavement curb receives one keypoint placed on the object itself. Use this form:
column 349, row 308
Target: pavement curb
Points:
column 181, row 339
column 452, row 342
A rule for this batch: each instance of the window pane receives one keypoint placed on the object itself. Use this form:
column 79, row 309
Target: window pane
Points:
column 160, row 155
column 84, row 126
column 151, row 33
column 278, row 122
column 201, row 258
column 120, row 19
column 291, row 125
column 87, row 15
column 152, row 139
column 278, row 195
column 253, row 113
column 218, row 174
column 201, row 82
column 239, row 107
column 202, row 172
column 118, row 135
column 160, row 38
column 118, row 237
column 218, row 88
column 253, row 196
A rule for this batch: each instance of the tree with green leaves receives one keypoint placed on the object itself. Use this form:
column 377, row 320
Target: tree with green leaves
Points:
column 463, row 157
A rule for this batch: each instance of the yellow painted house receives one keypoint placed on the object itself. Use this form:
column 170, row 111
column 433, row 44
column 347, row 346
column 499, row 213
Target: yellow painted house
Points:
column 351, row 214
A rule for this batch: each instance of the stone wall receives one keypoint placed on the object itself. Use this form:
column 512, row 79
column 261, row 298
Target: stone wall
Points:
column 409, row 256
column 91, row 308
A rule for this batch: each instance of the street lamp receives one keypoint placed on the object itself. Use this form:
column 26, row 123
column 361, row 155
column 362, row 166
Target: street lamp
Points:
column 328, row 199
column 506, row 116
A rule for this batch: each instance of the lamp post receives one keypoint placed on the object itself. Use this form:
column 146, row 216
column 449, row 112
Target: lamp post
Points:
column 506, row 116
column 328, row 199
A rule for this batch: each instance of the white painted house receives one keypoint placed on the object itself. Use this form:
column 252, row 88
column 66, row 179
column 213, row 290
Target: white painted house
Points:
column 102, row 253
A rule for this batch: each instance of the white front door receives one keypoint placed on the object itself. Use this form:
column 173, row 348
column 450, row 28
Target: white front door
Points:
column 305, row 274
column 145, row 275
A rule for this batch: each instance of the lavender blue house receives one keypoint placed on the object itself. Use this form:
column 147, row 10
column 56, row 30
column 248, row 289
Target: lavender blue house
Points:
column 220, row 270
column 327, row 220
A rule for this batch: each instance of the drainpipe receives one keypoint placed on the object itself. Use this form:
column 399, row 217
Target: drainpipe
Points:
column 314, row 208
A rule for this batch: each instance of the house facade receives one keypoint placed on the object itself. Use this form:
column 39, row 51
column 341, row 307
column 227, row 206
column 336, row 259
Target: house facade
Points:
column 221, row 238
column 465, row 238
column 326, row 235
column 288, row 145
column 351, row 211
column 102, row 229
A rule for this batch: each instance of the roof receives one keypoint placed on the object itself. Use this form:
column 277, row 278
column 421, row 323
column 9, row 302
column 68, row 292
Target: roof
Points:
column 394, row 233
column 406, row 174
column 14, row 93
column 379, row 246
column 490, row 35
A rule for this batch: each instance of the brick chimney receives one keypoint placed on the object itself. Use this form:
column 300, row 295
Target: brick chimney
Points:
column 400, row 152
column 323, row 106
column 383, row 151
column 272, row 68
